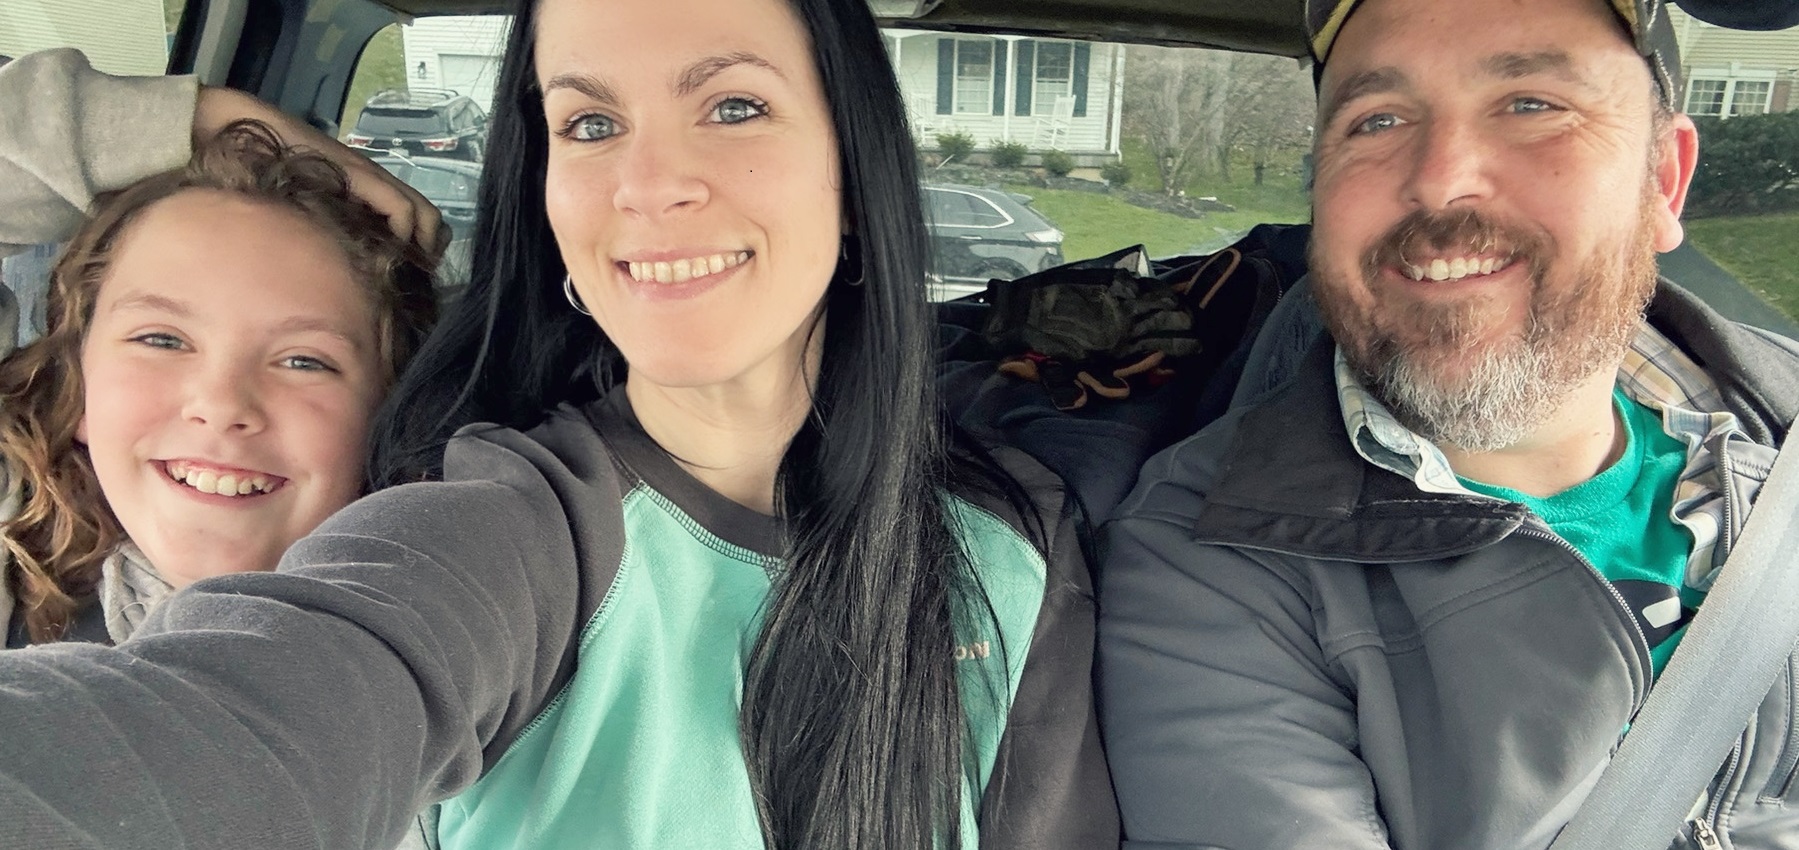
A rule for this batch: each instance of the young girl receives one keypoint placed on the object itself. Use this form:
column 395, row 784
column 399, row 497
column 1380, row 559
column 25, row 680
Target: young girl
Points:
column 218, row 338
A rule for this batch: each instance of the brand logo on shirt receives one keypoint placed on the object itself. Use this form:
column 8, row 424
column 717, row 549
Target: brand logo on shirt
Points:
column 973, row 651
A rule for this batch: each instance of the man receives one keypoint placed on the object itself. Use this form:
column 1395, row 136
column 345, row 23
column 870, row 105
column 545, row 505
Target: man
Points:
column 1414, row 598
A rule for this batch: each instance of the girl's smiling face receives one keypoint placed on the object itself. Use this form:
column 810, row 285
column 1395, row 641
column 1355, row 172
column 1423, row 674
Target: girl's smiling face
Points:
column 230, row 373
column 692, row 181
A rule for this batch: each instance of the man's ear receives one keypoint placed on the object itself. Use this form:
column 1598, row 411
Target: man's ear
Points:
column 1677, row 155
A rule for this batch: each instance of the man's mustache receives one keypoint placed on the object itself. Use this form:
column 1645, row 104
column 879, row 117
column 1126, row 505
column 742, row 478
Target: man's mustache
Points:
column 1423, row 235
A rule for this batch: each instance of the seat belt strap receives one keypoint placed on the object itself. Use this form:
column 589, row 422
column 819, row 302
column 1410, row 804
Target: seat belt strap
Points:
column 1735, row 647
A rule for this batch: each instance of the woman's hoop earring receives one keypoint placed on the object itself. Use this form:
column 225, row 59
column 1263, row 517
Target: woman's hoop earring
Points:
column 849, row 261
column 568, row 291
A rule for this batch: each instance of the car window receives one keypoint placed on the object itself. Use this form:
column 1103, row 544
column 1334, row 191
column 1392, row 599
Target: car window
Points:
column 129, row 37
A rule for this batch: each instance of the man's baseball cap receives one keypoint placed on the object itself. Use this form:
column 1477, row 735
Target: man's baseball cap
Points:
column 1646, row 20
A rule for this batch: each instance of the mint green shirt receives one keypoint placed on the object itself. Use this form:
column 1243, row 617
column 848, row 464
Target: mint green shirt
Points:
column 1622, row 519
column 641, row 748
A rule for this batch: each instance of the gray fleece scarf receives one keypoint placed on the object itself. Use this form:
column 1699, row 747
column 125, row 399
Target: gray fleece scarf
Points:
column 129, row 589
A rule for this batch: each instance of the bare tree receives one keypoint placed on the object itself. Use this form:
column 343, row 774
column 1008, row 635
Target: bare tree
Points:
column 1174, row 102
column 1194, row 109
column 1270, row 112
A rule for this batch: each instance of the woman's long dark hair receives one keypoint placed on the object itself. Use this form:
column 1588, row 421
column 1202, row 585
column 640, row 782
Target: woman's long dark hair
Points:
column 851, row 722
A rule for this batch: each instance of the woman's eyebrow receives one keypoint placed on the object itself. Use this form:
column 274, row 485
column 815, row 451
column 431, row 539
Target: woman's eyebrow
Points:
column 689, row 81
column 705, row 69
column 586, row 84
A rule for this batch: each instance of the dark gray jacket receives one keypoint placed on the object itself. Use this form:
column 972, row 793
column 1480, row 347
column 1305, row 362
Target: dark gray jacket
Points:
column 1299, row 649
column 407, row 643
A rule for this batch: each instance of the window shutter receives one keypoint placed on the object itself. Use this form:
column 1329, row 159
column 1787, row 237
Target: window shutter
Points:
column 999, row 77
column 1082, row 54
column 1025, row 69
column 946, row 75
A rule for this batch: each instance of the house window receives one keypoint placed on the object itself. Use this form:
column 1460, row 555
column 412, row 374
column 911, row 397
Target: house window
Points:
column 1706, row 97
column 1750, row 97
column 974, row 77
column 1054, row 75
column 1728, row 97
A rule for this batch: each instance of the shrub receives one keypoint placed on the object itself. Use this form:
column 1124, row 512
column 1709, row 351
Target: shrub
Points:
column 1747, row 164
column 955, row 146
column 1009, row 154
column 1058, row 163
column 1116, row 173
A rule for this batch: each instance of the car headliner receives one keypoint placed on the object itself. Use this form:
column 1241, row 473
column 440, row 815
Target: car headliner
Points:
column 1263, row 26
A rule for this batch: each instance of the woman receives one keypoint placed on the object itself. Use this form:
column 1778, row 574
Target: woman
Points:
column 218, row 338
column 735, row 589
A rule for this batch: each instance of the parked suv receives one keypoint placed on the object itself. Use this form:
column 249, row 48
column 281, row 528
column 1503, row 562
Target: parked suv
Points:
column 981, row 234
column 422, row 122
column 450, row 185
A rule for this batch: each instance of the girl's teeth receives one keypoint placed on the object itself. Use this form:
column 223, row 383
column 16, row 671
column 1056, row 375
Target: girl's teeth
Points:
column 226, row 484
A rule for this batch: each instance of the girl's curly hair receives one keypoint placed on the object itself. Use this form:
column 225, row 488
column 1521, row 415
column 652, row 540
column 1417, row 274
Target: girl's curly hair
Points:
column 64, row 529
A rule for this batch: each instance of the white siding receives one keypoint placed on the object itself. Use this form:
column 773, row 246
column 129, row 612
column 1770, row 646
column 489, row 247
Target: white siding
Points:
column 461, row 52
column 915, row 62
column 119, row 36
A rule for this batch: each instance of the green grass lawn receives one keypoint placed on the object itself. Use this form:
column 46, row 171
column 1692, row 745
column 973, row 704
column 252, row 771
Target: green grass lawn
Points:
column 1761, row 251
column 1279, row 198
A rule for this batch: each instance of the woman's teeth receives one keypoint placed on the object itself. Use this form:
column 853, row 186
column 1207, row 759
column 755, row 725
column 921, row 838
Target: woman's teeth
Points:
column 1456, row 269
column 219, row 484
column 678, row 271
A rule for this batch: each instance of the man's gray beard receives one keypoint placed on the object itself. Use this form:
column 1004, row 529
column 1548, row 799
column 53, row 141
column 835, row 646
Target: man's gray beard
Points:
column 1514, row 385
column 1500, row 400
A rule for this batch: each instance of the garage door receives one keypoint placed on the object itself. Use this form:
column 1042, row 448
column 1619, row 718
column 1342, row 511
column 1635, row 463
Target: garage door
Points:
column 471, row 75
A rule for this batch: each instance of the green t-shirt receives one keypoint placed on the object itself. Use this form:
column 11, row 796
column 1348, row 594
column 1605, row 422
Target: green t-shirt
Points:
column 1622, row 521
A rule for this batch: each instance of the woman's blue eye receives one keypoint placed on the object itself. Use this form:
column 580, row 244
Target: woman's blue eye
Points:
column 736, row 110
column 590, row 128
column 1376, row 123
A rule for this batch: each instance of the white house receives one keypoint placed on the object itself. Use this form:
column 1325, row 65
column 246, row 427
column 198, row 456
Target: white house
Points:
column 126, row 37
column 1733, row 72
column 460, row 53
column 1042, row 93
